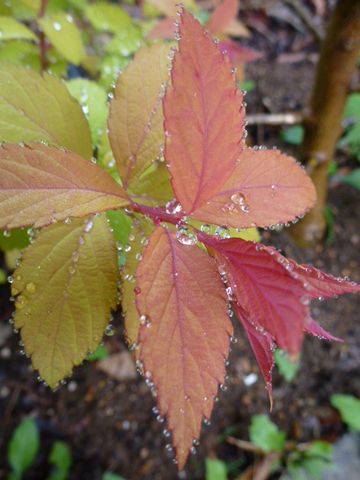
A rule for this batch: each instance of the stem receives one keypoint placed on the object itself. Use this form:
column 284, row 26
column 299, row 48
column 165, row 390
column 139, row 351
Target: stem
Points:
column 338, row 59
column 157, row 214
column 42, row 40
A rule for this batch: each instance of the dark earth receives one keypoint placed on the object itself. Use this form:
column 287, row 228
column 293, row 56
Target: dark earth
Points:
column 109, row 424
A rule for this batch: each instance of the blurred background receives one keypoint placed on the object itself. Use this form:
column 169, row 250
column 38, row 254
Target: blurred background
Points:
column 101, row 425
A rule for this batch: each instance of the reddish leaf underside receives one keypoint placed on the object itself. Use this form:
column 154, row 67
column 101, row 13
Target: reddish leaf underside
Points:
column 266, row 188
column 271, row 295
column 41, row 184
column 204, row 118
column 184, row 339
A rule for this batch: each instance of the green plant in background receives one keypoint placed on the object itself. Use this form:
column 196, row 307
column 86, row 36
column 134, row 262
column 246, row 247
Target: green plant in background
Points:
column 287, row 366
column 266, row 435
column 349, row 408
column 215, row 469
column 23, row 448
column 60, row 459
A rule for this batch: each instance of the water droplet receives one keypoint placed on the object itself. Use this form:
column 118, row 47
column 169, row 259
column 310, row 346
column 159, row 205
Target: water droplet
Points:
column 20, row 302
column 6, row 233
column 31, row 287
column 57, row 26
column 185, row 236
column 173, row 207
column 67, row 220
column 109, row 330
column 88, row 226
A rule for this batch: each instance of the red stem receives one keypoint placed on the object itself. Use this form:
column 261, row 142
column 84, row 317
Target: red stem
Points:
column 42, row 40
column 157, row 214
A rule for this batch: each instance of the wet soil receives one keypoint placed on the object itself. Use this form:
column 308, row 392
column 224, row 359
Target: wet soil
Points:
column 109, row 425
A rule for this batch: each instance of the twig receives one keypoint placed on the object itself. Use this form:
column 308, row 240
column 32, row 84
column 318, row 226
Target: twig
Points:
column 307, row 18
column 274, row 118
column 42, row 40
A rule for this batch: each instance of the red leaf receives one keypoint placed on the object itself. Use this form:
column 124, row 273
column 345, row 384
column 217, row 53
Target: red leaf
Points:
column 204, row 118
column 263, row 346
column 264, row 290
column 222, row 16
column 315, row 329
column 184, row 339
column 165, row 28
column 237, row 53
column 266, row 188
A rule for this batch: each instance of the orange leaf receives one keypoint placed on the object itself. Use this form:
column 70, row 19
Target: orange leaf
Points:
column 136, row 119
column 204, row 118
column 266, row 188
column 184, row 339
column 40, row 185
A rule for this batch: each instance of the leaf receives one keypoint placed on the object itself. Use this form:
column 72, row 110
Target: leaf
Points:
column 263, row 291
column 136, row 119
column 11, row 29
column 40, row 185
column 266, row 188
column 61, row 310
column 266, row 435
column 138, row 238
column 315, row 329
column 164, row 29
column 60, row 458
column 65, row 36
column 184, row 337
column 238, row 54
column 224, row 13
column 154, row 187
column 23, row 447
column 204, row 119
column 287, row 366
column 18, row 239
column 34, row 108
column 171, row 7
column 126, row 41
column 353, row 178
column 349, row 408
column 110, row 68
column 111, row 476
column 93, row 100
column 106, row 17
column 293, row 135
column 352, row 115
column 215, row 469
column 263, row 346
column 100, row 354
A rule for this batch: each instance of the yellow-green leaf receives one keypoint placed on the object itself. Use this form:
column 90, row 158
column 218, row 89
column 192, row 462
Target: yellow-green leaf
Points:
column 136, row 118
column 11, row 29
column 140, row 231
column 34, row 108
column 106, row 17
column 40, row 185
column 93, row 100
column 126, row 41
column 65, row 289
column 65, row 36
column 154, row 186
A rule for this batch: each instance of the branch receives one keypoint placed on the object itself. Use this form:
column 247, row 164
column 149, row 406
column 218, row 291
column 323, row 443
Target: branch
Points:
column 323, row 124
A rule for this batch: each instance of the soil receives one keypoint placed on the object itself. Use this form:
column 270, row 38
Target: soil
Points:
column 110, row 426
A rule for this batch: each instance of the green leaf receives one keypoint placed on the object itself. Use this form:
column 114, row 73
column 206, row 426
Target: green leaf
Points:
column 353, row 178
column 65, row 288
column 352, row 134
column 93, row 100
column 23, row 447
column 21, row 53
column 266, row 435
column 120, row 224
column 293, row 135
column 106, row 17
column 126, row 42
column 287, row 367
column 13, row 239
column 60, row 458
column 349, row 408
column 110, row 69
column 111, row 476
column 100, row 354
column 215, row 469
column 3, row 277
column 36, row 108
column 311, row 463
column 11, row 29
column 65, row 36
